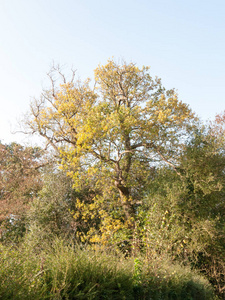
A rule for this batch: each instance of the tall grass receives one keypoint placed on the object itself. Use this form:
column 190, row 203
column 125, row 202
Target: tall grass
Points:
column 62, row 271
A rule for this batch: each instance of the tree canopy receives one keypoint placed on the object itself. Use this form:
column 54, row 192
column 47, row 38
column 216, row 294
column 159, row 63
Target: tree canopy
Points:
column 19, row 177
column 116, row 132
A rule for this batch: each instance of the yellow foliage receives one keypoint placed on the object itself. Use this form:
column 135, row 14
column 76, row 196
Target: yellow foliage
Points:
column 108, row 136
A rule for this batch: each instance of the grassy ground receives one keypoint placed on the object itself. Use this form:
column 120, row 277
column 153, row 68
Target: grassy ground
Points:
column 62, row 271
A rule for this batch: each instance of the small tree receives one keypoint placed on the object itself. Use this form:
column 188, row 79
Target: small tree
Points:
column 50, row 213
column 20, row 181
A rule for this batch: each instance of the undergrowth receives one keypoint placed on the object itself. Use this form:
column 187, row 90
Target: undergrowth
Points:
column 63, row 271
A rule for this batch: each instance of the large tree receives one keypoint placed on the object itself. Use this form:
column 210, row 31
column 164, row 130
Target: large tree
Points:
column 116, row 133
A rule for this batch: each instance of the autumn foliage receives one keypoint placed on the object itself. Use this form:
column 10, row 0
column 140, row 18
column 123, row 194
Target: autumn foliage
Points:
column 19, row 177
column 132, row 170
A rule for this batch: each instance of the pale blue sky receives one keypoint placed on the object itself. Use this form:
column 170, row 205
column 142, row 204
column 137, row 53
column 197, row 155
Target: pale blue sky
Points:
column 182, row 41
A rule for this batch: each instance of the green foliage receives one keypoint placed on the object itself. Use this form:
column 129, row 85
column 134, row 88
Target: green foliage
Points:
column 13, row 229
column 165, row 280
column 62, row 271
column 50, row 213
column 185, row 215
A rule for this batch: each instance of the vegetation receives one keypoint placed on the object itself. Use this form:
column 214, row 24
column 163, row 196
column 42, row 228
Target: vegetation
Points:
column 60, row 271
column 127, row 200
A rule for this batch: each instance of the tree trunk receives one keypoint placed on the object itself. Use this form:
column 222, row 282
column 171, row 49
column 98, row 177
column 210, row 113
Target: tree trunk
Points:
column 125, row 200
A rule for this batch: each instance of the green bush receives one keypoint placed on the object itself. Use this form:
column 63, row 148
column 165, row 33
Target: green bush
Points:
column 164, row 280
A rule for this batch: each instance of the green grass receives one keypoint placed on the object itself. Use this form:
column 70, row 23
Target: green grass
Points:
column 61, row 271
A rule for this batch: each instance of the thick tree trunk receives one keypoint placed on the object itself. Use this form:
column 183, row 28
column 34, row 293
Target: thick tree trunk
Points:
column 125, row 200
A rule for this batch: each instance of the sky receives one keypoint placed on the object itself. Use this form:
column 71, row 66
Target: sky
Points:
column 182, row 41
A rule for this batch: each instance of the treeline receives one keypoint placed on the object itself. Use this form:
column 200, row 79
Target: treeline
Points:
column 129, row 175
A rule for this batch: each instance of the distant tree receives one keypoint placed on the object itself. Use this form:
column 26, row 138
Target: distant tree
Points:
column 20, row 179
column 218, row 128
column 220, row 119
